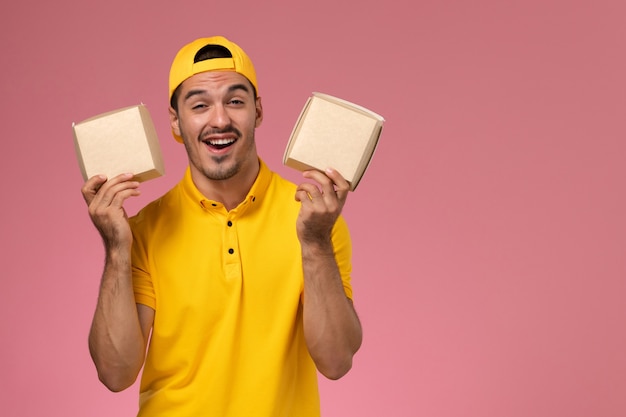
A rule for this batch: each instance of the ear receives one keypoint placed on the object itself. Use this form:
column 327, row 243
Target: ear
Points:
column 174, row 121
column 259, row 112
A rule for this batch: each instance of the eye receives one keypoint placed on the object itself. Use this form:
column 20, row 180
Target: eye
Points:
column 235, row 101
column 198, row 106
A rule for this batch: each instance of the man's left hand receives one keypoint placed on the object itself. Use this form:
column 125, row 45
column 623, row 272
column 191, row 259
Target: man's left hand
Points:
column 321, row 204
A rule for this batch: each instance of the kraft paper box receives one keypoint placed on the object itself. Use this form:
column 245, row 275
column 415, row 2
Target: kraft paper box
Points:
column 332, row 132
column 118, row 142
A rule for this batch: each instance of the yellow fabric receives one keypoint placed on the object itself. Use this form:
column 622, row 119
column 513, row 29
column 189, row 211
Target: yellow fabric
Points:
column 227, row 338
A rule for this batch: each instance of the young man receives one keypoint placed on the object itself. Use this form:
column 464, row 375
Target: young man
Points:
column 233, row 289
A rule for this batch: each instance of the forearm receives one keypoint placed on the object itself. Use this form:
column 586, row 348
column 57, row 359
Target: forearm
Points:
column 331, row 327
column 116, row 341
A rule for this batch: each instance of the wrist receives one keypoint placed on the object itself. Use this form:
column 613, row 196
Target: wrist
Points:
column 118, row 254
column 317, row 248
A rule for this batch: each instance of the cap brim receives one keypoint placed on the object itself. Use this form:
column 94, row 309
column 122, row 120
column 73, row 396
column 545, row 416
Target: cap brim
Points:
column 178, row 138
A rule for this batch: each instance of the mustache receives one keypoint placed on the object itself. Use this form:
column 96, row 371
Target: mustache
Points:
column 229, row 129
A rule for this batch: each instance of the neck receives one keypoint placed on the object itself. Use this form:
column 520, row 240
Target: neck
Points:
column 230, row 192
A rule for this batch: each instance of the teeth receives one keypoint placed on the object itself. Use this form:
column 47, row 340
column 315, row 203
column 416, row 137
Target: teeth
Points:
column 221, row 142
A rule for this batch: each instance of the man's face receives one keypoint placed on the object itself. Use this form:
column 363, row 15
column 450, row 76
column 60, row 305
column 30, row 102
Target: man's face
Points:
column 217, row 115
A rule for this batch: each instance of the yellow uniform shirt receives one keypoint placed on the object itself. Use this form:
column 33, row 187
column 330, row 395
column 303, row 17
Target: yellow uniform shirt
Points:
column 226, row 287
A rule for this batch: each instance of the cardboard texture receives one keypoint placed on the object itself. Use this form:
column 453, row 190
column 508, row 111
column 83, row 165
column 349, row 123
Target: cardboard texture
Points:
column 117, row 142
column 332, row 132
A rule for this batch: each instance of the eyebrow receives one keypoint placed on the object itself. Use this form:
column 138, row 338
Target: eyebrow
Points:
column 231, row 88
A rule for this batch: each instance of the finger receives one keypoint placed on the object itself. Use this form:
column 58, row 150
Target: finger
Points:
column 334, row 187
column 91, row 187
column 330, row 178
column 118, row 192
column 115, row 190
column 107, row 213
column 307, row 192
column 341, row 184
column 130, row 190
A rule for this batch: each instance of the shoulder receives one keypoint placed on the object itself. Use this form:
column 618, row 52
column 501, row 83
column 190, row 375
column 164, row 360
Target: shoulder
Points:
column 275, row 188
column 281, row 184
column 156, row 209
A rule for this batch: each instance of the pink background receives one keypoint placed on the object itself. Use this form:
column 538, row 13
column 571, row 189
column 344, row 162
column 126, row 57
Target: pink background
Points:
column 489, row 231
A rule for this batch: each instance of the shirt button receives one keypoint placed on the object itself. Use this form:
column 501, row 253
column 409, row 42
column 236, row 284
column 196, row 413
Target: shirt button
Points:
column 229, row 223
column 231, row 251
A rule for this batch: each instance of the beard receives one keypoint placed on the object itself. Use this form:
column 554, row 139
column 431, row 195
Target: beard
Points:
column 224, row 169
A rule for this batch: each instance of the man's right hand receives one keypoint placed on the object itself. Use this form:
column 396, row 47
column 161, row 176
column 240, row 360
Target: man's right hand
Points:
column 105, row 199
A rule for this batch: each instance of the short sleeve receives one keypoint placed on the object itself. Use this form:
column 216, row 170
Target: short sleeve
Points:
column 342, row 245
column 142, row 280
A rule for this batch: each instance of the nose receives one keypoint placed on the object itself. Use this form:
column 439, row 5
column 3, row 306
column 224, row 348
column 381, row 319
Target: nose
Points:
column 219, row 117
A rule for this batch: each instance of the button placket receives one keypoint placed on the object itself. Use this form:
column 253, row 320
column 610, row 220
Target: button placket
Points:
column 232, row 259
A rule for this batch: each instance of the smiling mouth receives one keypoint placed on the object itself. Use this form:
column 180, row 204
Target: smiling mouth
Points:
column 219, row 143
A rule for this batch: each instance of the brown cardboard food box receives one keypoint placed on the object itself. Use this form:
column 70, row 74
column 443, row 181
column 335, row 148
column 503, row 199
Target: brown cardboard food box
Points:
column 117, row 142
column 332, row 132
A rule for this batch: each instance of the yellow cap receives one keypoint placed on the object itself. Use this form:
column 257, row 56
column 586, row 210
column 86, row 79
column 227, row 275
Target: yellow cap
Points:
column 184, row 65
